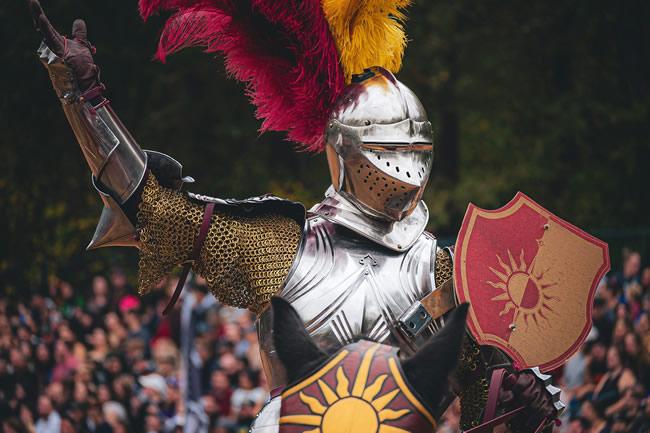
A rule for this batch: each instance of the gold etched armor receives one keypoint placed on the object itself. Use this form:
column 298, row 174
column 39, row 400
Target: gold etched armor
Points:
column 470, row 374
column 244, row 259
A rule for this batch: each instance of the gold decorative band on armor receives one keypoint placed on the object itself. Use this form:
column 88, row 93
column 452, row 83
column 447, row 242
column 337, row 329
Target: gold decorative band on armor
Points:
column 244, row 259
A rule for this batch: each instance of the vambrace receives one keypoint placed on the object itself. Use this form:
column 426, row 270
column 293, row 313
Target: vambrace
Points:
column 117, row 163
column 246, row 256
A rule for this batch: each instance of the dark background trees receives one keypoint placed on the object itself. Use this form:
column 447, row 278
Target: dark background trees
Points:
column 548, row 97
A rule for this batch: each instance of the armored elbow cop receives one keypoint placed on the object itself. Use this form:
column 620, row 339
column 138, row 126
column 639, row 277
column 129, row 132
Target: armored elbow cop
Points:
column 117, row 162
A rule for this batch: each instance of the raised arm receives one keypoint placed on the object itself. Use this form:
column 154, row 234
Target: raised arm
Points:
column 249, row 245
column 116, row 161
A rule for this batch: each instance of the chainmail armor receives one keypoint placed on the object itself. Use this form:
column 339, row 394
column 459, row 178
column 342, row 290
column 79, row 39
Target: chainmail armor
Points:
column 473, row 385
column 443, row 268
column 471, row 371
column 244, row 259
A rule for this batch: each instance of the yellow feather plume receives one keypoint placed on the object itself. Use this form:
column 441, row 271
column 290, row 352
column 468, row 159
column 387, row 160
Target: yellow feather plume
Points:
column 367, row 33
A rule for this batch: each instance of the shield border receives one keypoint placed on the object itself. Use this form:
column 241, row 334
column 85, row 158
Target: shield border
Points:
column 520, row 199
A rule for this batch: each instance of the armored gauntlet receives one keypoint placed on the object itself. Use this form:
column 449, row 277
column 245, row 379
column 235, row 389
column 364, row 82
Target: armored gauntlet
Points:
column 116, row 161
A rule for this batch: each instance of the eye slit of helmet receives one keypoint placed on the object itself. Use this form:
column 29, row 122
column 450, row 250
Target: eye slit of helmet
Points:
column 397, row 147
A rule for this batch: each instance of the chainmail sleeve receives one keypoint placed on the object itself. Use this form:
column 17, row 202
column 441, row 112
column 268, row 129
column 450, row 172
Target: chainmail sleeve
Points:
column 470, row 376
column 244, row 258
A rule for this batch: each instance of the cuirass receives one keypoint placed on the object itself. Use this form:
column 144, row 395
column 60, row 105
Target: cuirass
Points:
column 345, row 286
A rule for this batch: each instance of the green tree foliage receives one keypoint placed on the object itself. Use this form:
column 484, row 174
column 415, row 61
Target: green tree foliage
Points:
column 550, row 98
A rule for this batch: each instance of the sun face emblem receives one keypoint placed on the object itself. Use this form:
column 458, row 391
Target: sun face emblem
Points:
column 524, row 290
column 359, row 408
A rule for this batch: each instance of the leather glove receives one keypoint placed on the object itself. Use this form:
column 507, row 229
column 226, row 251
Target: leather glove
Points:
column 524, row 389
column 77, row 52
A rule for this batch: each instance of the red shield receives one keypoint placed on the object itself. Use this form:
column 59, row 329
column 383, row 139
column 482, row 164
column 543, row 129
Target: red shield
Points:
column 530, row 278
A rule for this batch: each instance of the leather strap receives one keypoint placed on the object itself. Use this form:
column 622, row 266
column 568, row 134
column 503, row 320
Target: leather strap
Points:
column 493, row 394
column 489, row 421
column 440, row 301
column 196, row 251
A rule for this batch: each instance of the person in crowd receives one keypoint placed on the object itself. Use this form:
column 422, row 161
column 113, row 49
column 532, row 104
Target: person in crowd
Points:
column 221, row 392
column 49, row 420
column 629, row 274
column 595, row 417
column 611, row 391
column 248, row 398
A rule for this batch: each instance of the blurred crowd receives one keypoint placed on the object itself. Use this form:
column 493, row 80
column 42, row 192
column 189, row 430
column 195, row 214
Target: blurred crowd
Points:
column 105, row 360
column 607, row 383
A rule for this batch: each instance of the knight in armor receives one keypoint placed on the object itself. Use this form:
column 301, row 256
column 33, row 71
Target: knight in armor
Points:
column 357, row 264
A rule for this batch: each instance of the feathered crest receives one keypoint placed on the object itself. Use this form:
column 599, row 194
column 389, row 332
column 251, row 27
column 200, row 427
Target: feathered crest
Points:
column 281, row 49
column 294, row 56
column 367, row 33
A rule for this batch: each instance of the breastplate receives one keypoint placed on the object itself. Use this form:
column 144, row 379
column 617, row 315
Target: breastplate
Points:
column 345, row 286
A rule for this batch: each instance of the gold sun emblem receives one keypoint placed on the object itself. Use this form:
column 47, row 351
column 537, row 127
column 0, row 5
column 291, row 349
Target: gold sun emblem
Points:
column 524, row 290
column 359, row 409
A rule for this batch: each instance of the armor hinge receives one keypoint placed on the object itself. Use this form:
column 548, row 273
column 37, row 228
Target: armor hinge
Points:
column 414, row 320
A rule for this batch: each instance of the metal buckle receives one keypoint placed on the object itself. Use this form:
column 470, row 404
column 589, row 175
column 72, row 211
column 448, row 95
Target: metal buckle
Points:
column 414, row 320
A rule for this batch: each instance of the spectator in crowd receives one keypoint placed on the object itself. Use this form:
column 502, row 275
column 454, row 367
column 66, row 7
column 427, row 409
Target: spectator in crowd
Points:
column 611, row 390
column 49, row 420
column 594, row 416
column 247, row 400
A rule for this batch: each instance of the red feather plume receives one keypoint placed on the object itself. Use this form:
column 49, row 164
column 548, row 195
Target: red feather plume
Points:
column 282, row 49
